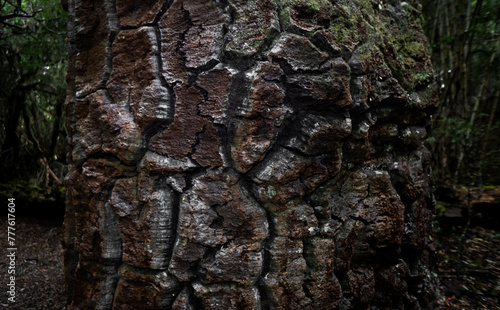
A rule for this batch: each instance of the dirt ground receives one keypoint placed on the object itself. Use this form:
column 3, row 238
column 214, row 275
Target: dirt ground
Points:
column 468, row 267
column 39, row 262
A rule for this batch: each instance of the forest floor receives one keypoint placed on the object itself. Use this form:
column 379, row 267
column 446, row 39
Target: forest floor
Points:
column 468, row 266
column 468, row 248
column 39, row 278
column 469, row 269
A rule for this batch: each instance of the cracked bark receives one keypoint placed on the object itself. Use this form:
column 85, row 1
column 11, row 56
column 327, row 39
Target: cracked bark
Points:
column 248, row 155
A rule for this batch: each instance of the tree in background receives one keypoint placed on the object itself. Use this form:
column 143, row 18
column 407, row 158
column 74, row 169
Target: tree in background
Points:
column 32, row 89
column 465, row 38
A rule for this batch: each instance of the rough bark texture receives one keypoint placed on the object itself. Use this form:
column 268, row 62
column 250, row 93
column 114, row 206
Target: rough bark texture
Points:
column 256, row 154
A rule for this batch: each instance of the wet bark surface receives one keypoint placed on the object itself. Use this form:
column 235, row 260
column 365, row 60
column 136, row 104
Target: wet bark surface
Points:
column 248, row 155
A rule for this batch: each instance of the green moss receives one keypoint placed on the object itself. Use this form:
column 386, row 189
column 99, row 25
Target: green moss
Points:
column 314, row 6
column 31, row 193
column 366, row 6
column 398, row 47
column 441, row 207
column 423, row 78
column 416, row 49
column 342, row 33
column 365, row 52
column 346, row 28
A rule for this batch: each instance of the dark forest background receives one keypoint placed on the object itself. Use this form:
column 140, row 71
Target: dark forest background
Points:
column 33, row 61
column 465, row 42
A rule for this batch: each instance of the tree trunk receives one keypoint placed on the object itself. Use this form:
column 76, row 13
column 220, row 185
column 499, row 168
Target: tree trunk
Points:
column 10, row 148
column 248, row 155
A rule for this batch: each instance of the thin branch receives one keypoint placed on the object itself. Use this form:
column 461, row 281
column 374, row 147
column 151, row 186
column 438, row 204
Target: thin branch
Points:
column 12, row 25
column 16, row 15
column 44, row 162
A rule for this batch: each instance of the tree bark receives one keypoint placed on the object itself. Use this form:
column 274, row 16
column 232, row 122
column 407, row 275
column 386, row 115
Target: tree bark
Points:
column 248, row 155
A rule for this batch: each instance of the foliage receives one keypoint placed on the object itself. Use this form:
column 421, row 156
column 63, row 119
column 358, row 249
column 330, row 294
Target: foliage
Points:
column 312, row 5
column 31, row 194
column 465, row 39
column 32, row 87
